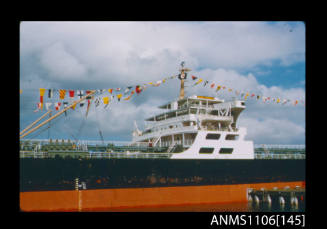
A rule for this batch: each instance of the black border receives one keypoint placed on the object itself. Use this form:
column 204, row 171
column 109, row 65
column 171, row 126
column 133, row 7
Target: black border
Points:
column 201, row 220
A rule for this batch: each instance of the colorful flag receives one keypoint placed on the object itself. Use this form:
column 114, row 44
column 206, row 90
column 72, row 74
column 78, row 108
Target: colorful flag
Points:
column 38, row 107
column 110, row 90
column 138, row 89
column 264, row 99
column 100, row 91
column 296, row 102
column 71, row 93
column 258, row 96
column 105, row 101
column 65, row 105
column 199, row 81
column 212, row 85
column 157, row 83
column 205, row 83
column 62, row 93
column 218, row 88
column 194, row 77
column 42, row 91
column 47, row 105
column 50, row 93
column 252, row 95
column 80, row 93
column 97, row 102
column 127, row 98
column 119, row 96
column 127, row 90
column 278, row 100
column 41, row 102
column 230, row 89
column 74, row 105
column 88, row 107
column 57, row 106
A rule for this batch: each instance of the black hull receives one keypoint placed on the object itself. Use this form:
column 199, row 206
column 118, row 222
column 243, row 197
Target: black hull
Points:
column 60, row 174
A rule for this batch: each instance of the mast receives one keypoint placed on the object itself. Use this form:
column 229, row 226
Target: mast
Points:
column 182, row 76
column 33, row 123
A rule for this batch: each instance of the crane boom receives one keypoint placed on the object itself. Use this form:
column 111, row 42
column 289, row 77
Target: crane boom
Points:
column 56, row 115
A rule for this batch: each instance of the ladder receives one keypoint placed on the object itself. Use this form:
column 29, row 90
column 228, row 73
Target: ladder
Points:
column 171, row 147
column 155, row 141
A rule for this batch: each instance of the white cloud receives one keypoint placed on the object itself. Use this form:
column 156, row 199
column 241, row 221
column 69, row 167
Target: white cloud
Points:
column 83, row 55
column 273, row 131
column 60, row 63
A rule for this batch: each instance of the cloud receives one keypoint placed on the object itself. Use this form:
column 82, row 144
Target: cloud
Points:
column 60, row 64
column 273, row 131
column 101, row 55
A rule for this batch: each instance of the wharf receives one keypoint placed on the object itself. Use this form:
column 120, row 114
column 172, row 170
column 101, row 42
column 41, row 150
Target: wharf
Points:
column 287, row 198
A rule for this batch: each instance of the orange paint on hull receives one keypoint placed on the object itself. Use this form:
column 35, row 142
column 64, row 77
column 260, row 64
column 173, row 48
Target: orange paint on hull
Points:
column 140, row 197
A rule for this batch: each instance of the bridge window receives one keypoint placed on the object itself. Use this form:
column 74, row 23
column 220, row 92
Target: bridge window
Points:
column 226, row 150
column 213, row 136
column 232, row 137
column 206, row 150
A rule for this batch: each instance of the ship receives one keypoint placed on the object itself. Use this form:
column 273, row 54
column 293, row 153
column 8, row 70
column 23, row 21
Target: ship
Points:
column 191, row 153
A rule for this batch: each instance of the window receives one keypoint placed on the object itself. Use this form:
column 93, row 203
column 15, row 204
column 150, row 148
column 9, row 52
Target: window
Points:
column 231, row 137
column 213, row 136
column 206, row 150
column 226, row 150
column 193, row 110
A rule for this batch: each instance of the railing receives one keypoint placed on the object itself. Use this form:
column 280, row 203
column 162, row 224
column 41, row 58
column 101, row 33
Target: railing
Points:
column 272, row 146
column 165, row 132
column 279, row 156
column 135, row 155
column 99, row 155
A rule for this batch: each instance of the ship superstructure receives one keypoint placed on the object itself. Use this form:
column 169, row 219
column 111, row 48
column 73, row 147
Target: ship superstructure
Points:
column 200, row 126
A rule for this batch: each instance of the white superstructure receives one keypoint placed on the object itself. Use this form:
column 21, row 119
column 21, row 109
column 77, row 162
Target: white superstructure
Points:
column 199, row 127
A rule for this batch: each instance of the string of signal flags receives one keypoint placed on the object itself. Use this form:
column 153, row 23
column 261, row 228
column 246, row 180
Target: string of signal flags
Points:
column 105, row 96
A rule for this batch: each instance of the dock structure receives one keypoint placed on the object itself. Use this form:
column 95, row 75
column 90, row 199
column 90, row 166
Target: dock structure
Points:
column 277, row 199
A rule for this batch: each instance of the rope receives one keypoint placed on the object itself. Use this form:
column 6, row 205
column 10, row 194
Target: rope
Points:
column 100, row 133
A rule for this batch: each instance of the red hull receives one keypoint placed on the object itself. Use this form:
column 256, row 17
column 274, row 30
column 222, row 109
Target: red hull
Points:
column 86, row 200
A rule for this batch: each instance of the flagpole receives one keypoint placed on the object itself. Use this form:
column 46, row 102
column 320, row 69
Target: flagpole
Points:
column 56, row 115
column 33, row 123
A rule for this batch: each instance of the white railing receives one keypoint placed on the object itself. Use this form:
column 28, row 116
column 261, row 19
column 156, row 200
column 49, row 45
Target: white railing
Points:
column 279, row 156
column 165, row 132
column 100, row 155
column 127, row 143
column 272, row 146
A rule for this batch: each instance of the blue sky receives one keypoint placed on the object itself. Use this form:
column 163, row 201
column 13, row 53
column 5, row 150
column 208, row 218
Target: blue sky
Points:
column 267, row 58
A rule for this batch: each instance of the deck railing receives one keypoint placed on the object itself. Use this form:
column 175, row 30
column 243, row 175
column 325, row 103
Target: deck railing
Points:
column 136, row 155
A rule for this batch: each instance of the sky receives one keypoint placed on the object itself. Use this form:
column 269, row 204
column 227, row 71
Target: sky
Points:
column 266, row 58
